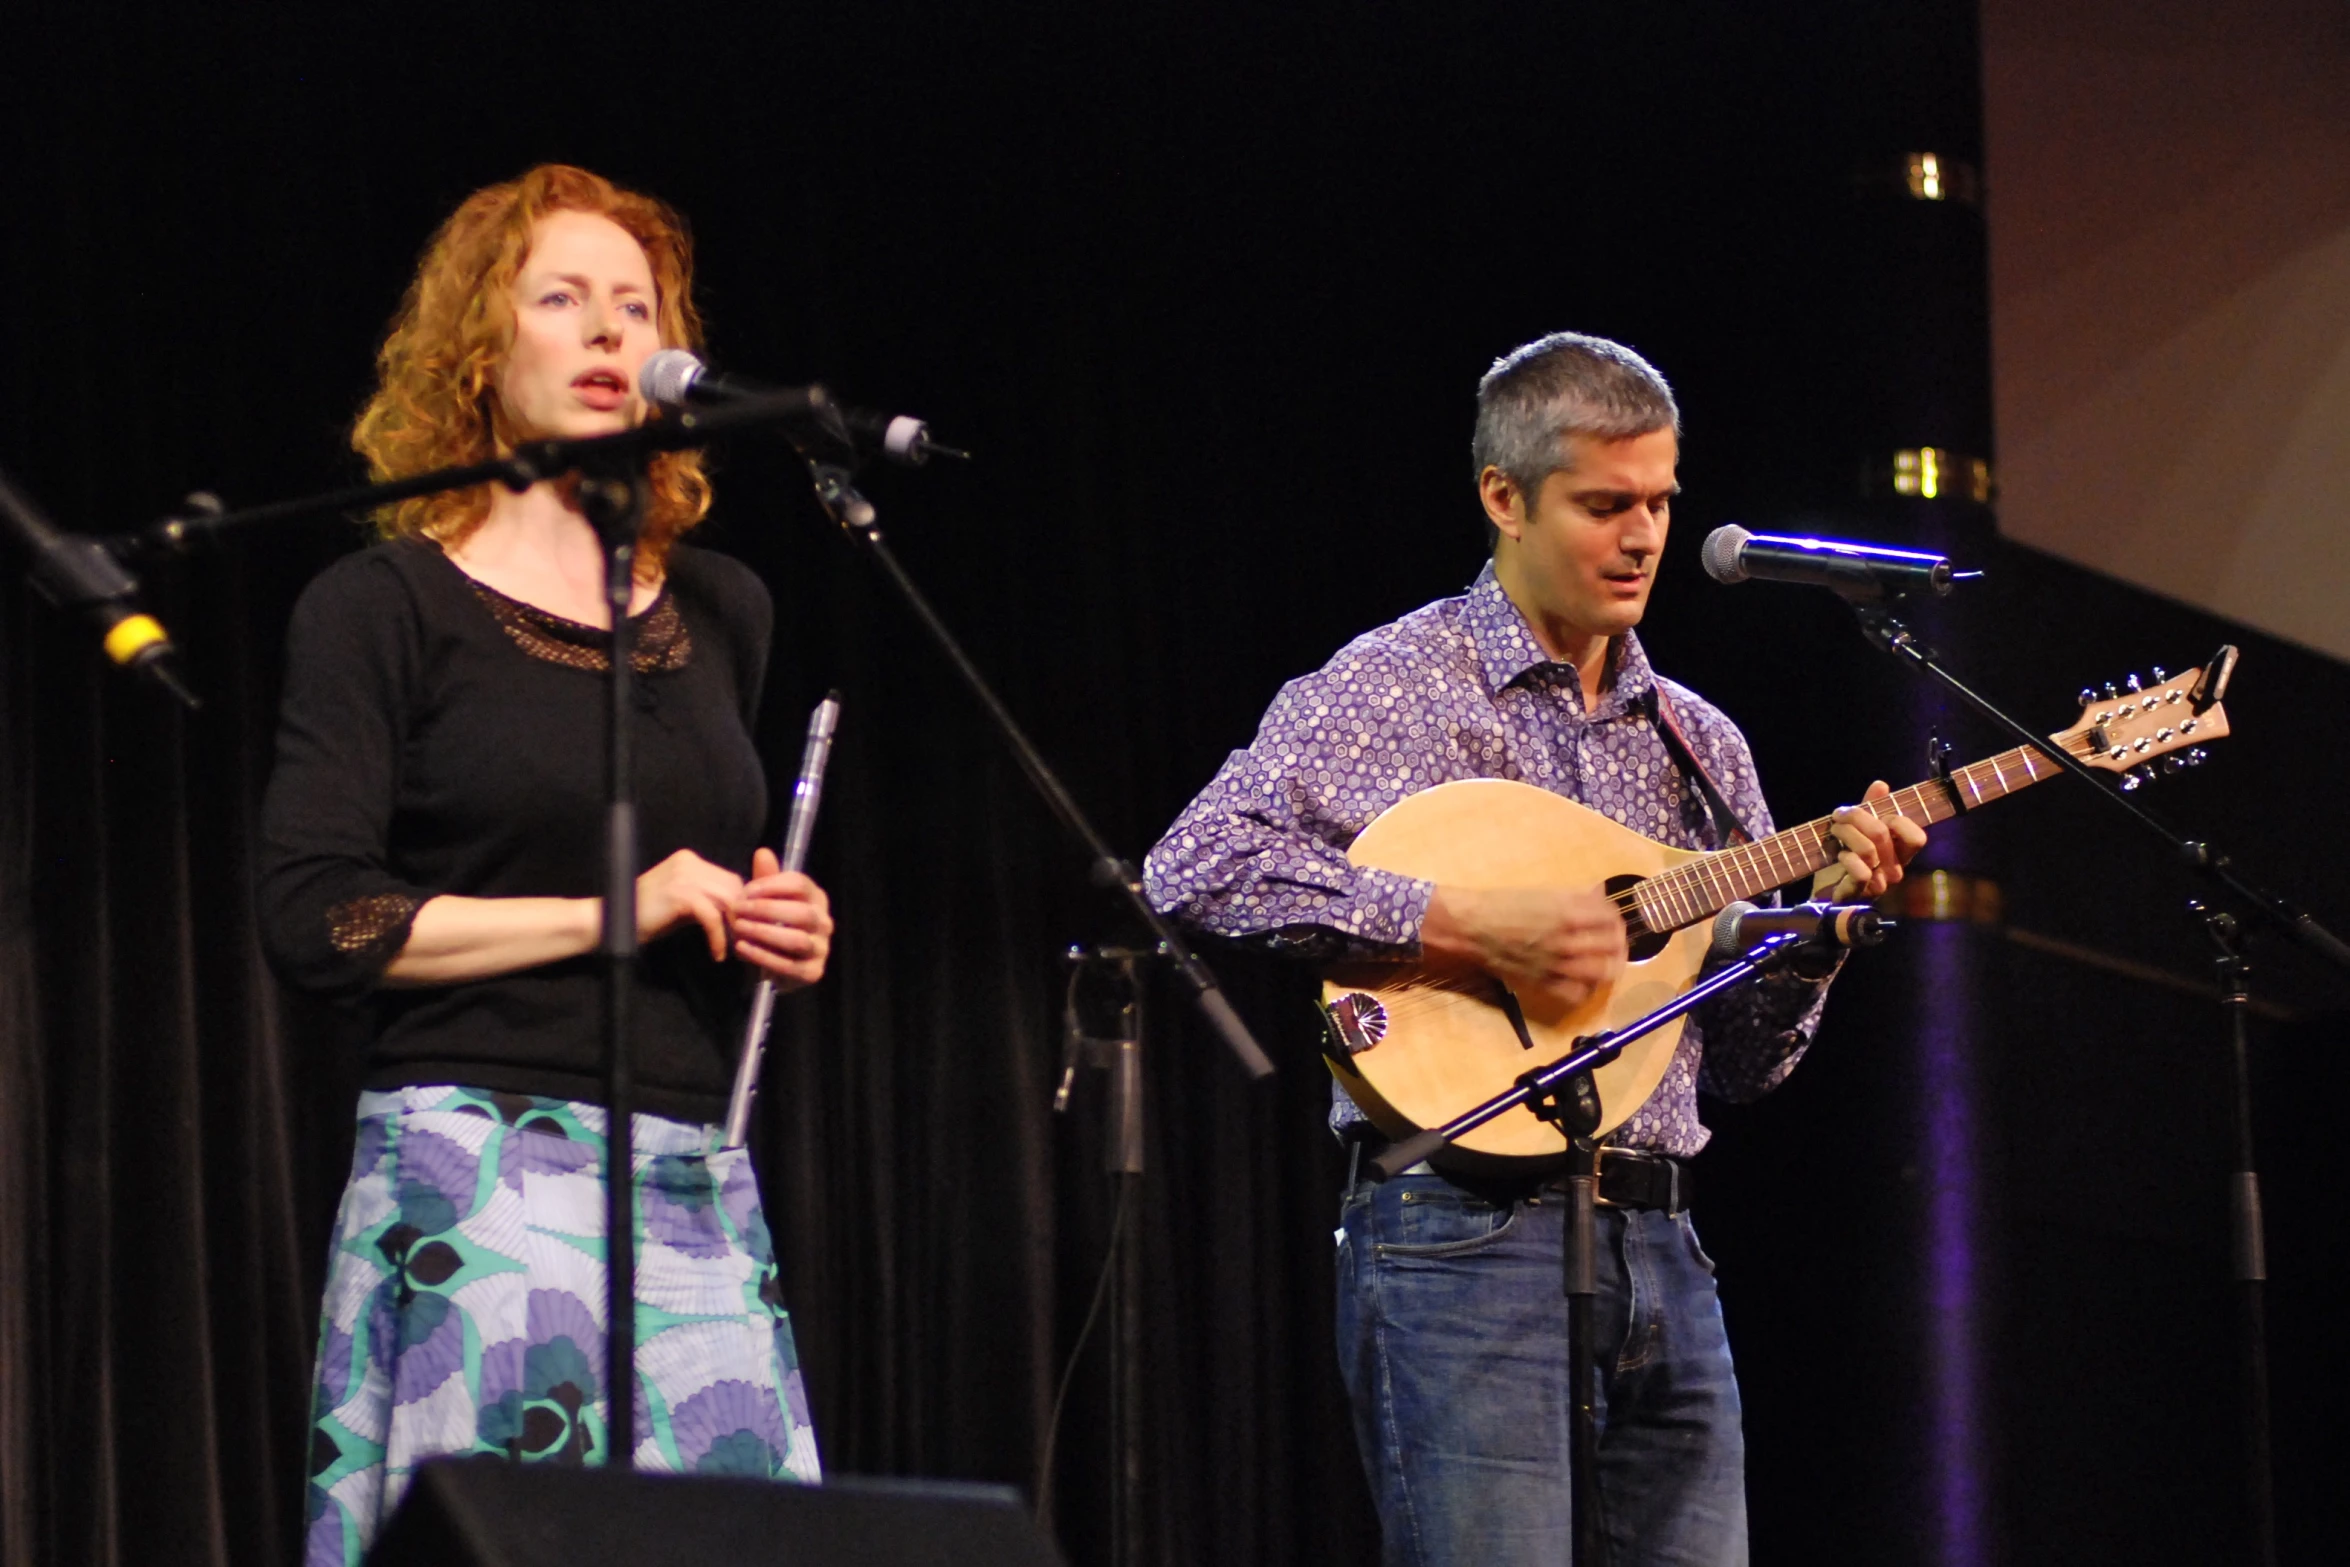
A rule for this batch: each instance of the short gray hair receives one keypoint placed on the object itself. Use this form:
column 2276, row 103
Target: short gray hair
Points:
column 1561, row 385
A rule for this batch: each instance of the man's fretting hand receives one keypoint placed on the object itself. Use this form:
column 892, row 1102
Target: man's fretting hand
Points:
column 1870, row 851
column 1542, row 941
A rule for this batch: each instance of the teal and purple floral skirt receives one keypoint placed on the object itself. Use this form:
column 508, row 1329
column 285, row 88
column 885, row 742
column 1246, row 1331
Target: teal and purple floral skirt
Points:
column 465, row 1305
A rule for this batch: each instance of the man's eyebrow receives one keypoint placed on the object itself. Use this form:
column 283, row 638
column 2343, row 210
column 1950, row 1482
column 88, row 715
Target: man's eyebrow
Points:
column 1607, row 492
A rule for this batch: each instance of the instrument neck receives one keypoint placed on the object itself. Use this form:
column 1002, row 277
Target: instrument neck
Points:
column 1703, row 887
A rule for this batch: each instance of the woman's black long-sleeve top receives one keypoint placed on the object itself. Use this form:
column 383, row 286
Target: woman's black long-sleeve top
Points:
column 436, row 737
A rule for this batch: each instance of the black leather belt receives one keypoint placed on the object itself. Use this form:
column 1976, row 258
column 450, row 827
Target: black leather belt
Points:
column 1628, row 1177
column 1635, row 1178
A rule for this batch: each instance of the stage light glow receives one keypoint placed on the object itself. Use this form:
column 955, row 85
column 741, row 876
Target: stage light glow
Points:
column 1932, row 472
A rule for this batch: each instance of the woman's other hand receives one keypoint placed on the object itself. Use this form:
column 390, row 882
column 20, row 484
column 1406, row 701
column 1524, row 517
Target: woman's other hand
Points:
column 685, row 888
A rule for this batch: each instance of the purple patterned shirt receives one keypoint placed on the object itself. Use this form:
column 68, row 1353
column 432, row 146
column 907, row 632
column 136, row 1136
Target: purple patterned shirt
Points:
column 1460, row 689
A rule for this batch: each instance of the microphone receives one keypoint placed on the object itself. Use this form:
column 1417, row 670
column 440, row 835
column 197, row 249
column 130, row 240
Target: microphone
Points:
column 1860, row 572
column 73, row 572
column 676, row 378
column 1738, row 927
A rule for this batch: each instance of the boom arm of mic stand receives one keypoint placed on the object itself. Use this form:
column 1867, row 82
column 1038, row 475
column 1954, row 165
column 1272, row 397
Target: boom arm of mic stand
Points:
column 531, row 462
column 1886, row 632
column 1595, row 1050
column 855, row 516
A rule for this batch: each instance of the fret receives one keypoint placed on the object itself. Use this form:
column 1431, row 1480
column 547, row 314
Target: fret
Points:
column 1676, row 903
column 1700, row 888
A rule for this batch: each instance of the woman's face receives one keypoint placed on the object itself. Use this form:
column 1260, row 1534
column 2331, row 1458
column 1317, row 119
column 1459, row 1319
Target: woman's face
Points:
column 585, row 318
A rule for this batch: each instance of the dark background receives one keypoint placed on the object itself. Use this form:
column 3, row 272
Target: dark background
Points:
column 1208, row 290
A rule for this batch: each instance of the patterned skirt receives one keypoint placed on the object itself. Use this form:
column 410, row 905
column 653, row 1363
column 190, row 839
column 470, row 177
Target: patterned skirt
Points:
column 465, row 1305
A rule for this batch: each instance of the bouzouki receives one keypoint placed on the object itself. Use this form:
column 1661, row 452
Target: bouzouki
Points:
column 1415, row 1047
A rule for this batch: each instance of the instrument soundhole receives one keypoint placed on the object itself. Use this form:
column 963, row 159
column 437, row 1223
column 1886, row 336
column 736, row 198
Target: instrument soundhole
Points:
column 1646, row 943
column 1358, row 1020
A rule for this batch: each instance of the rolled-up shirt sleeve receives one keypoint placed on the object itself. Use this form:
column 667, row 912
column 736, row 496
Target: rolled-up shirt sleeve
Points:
column 333, row 912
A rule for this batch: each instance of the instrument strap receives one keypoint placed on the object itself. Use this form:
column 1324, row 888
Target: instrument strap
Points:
column 1717, row 804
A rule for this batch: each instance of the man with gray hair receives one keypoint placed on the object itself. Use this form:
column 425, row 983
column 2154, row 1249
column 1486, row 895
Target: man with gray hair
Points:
column 1451, row 1327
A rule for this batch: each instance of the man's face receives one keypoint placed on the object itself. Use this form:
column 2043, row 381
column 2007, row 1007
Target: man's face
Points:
column 1587, row 549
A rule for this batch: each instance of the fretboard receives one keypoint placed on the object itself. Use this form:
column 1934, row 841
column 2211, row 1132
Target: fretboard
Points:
column 1704, row 887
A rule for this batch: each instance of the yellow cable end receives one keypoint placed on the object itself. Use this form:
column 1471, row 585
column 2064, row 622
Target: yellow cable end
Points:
column 131, row 636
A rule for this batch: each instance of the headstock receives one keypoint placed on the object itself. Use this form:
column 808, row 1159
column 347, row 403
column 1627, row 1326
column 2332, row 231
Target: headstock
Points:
column 2125, row 728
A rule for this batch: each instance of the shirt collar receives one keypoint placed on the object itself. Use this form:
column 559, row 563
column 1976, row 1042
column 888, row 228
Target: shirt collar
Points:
column 1507, row 652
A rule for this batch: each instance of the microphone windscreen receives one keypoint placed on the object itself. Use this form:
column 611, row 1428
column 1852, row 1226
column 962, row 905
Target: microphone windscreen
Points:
column 668, row 376
column 1726, row 944
column 1721, row 553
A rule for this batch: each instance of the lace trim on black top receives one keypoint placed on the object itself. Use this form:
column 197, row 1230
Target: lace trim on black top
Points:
column 363, row 923
column 662, row 641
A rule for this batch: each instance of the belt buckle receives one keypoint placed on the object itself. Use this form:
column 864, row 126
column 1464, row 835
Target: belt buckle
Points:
column 1603, row 1152
column 1600, row 1154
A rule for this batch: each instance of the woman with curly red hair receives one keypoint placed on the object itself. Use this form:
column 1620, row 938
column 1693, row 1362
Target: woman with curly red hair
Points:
column 431, row 847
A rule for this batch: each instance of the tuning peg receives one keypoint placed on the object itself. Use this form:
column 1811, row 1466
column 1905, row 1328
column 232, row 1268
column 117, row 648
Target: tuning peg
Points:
column 2088, row 695
column 2196, row 756
column 2130, row 782
column 2159, row 675
column 2112, row 692
column 2134, row 685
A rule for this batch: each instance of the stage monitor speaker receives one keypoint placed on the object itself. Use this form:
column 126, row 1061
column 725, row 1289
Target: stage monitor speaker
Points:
column 487, row 1512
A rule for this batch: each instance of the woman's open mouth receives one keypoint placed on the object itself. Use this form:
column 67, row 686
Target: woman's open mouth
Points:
column 601, row 389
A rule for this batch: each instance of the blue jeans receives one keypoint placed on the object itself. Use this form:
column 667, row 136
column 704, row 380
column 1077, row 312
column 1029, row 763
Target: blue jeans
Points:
column 1452, row 1338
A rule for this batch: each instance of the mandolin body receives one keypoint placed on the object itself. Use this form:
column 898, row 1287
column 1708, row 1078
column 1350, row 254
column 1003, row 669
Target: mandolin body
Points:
column 1446, row 1043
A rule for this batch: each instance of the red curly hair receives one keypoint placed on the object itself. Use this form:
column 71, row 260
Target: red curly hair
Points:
column 435, row 403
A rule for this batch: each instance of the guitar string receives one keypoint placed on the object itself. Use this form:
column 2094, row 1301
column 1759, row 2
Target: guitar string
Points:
column 1690, row 887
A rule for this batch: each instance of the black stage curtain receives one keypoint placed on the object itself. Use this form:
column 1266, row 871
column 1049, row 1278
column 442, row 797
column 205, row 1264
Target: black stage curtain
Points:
column 1207, row 290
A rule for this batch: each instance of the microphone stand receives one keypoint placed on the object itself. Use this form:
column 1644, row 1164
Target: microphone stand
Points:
column 1885, row 631
column 855, row 516
column 1119, row 1059
column 1561, row 1094
column 615, row 504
